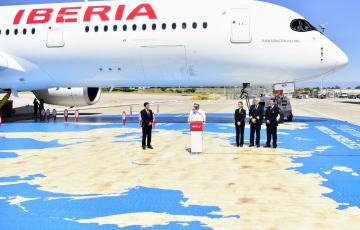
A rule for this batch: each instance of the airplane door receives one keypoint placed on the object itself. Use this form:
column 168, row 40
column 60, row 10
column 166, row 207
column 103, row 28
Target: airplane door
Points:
column 240, row 26
column 55, row 35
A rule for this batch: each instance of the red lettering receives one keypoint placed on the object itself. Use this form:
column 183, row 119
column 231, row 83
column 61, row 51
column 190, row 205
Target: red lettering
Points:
column 67, row 11
column 102, row 13
column 119, row 12
column 138, row 11
column 18, row 17
column 71, row 14
column 38, row 16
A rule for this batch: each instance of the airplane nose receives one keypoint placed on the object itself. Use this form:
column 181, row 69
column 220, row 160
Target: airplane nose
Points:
column 343, row 59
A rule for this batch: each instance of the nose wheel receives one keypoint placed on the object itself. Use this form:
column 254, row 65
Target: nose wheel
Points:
column 245, row 95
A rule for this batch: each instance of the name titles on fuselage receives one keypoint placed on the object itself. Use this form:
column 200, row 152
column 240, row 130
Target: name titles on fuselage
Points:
column 72, row 14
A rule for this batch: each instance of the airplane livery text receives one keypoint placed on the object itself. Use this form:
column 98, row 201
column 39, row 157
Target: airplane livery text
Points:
column 71, row 14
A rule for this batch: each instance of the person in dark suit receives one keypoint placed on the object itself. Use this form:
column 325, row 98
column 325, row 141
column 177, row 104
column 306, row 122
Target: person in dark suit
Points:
column 256, row 114
column 147, row 118
column 36, row 107
column 41, row 106
column 240, row 115
column 271, row 114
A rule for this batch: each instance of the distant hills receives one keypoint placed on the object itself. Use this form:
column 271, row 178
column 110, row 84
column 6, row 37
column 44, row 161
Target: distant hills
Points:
column 312, row 84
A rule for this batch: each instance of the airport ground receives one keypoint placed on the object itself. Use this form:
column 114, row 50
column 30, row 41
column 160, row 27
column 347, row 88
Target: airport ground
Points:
column 95, row 175
column 115, row 103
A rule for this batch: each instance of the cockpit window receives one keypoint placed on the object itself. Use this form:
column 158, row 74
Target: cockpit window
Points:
column 301, row 25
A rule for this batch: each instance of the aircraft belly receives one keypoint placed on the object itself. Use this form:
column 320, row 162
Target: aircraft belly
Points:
column 164, row 64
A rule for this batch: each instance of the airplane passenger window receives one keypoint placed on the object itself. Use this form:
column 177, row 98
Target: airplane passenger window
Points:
column 96, row 29
column 134, row 27
column 24, row 31
column 33, row 31
column 16, row 31
column 106, row 28
column 194, row 25
column 153, row 26
column 115, row 27
column 124, row 27
column 7, row 32
column 163, row 26
column 184, row 25
column 205, row 25
column 87, row 29
column 174, row 26
column 144, row 27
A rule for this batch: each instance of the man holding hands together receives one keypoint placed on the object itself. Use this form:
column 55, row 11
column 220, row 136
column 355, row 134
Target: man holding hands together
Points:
column 240, row 115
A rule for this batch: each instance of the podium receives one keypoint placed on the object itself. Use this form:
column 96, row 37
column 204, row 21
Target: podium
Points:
column 196, row 130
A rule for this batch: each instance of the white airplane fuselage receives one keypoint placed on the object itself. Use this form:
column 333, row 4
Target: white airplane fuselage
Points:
column 234, row 42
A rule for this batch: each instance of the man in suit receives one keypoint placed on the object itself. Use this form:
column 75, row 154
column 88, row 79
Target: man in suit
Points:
column 147, row 123
column 240, row 115
column 271, row 114
column 41, row 106
column 256, row 114
column 36, row 107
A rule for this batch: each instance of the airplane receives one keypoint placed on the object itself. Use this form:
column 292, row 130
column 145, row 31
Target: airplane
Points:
column 66, row 52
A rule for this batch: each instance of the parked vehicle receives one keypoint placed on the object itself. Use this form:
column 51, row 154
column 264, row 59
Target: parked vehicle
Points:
column 284, row 105
column 343, row 95
column 353, row 96
column 322, row 96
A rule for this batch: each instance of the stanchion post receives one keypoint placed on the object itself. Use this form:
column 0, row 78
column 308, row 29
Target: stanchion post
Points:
column 77, row 116
column 124, row 118
column 154, row 120
column 54, row 114
column 66, row 115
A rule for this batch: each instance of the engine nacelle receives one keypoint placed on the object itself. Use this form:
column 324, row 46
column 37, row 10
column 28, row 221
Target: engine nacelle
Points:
column 71, row 97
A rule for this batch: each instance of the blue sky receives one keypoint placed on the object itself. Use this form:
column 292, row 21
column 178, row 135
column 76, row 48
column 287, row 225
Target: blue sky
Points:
column 341, row 17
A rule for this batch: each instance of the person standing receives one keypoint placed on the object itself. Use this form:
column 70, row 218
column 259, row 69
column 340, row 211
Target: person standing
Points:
column 36, row 107
column 41, row 106
column 197, row 114
column 256, row 114
column 147, row 118
column 54, row 113
column 271, row 115
column 240, row 115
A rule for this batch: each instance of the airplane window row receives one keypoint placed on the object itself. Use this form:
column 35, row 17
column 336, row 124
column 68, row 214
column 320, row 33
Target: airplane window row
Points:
column 144, row 27
column 17, row 31
column 301, row 25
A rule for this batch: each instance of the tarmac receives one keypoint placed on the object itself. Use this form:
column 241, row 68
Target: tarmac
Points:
column 94, row 174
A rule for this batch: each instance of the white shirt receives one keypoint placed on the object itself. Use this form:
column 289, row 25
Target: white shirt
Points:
column 197, row 115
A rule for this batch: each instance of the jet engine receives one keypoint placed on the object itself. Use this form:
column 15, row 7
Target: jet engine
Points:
column 72, row 97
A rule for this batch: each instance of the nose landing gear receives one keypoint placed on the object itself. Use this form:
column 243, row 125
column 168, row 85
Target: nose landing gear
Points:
column 245, row 95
